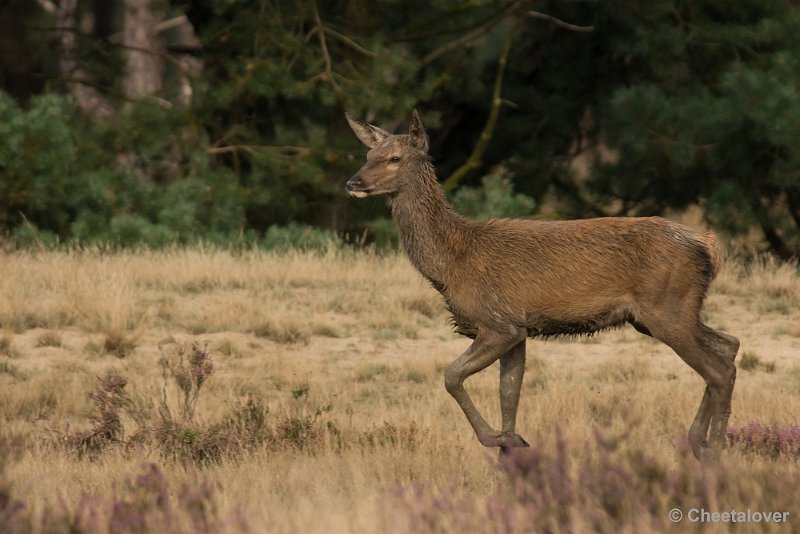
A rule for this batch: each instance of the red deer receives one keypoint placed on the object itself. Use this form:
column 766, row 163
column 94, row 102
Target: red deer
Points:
column 504, row 280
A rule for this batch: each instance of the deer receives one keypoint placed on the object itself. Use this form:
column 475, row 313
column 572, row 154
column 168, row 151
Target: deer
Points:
column 507, row 280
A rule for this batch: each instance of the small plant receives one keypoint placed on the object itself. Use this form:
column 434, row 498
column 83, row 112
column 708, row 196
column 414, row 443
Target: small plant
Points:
column 189, row 377
column 300, row 391
column 49, row 339
column 622, row 371
column 302, row 432
column 7, row 347
column 372, row 372
column 416, row 376
column 407, row 437
column 227, row 347
column 119, row 344
column 749, row 361
column 427, row 306
column 9, row 369
column 288, row 333
column 108, row 400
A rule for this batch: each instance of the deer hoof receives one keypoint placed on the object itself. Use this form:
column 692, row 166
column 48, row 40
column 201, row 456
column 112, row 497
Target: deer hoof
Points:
column 490, row 439
column 504, row 440
column 510, row 440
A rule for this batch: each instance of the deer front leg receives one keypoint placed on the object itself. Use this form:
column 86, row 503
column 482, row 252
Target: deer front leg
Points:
column 484, row 351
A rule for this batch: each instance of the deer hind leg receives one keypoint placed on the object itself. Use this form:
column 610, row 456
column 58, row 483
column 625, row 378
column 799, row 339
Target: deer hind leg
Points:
column 711, row 354
column 512, row 369
column 725, row 347
column 485, row 350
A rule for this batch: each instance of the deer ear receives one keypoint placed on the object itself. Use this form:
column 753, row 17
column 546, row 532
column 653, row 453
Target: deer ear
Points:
column 417, row 132
column 368, row 134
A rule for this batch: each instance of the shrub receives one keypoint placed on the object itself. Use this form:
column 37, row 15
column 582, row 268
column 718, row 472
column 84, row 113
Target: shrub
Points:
column 189, row 377
column 770, row 441
column 176, row 432
column 108, row 400
column 601, row 487
column 299, row 237
column 495, row 198
column 144, row 503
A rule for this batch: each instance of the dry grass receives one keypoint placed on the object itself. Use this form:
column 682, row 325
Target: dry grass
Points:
column 345, row 354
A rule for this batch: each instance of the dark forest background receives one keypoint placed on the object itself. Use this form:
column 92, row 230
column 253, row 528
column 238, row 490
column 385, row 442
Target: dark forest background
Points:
column 159, row 122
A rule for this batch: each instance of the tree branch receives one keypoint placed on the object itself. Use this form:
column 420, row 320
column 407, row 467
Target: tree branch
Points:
column 559, row 22
column 324, row 46
column 469, row 37
column 351, row 43
column 474, row 159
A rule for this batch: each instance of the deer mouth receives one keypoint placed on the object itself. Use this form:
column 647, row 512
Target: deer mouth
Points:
column 355, row 187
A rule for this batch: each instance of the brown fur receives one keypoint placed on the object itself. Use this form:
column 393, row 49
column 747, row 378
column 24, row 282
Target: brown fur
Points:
column 507, row 279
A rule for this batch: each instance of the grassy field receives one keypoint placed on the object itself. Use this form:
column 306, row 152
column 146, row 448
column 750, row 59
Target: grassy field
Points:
column 324, row 408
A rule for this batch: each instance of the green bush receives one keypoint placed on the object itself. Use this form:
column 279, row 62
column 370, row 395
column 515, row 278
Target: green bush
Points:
column 495, row 198
column 300, row 237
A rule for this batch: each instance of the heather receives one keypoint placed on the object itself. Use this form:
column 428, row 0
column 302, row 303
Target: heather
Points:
column 303, row 391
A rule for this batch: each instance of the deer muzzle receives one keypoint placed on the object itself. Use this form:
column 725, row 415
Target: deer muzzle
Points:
column 356, row 187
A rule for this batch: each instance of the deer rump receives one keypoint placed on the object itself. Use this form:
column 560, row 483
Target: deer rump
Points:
column 574, row 278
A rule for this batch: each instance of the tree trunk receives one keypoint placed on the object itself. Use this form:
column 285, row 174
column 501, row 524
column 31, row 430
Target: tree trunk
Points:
column 777, row 244
column 144, row 49
column 88, row 97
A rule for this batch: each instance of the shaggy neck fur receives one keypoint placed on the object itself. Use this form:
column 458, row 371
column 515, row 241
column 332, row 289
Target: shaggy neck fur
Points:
column 432, row 234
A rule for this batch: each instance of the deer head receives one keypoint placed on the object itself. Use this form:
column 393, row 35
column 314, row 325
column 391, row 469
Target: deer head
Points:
column 391, row 158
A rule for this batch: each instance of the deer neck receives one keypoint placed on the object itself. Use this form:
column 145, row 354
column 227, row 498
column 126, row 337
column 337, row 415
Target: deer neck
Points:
column 430, row 232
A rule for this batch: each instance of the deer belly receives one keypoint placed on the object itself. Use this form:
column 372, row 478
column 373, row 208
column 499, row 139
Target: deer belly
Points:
column 554, row 325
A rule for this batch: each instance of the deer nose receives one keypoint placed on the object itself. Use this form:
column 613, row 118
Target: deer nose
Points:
column 355, row 186
column 354, row 183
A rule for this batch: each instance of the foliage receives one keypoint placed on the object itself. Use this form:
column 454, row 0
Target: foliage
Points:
column 65, row 181
column 299, row 237
column 714, row 120
column 495, row 198
column 665, row 105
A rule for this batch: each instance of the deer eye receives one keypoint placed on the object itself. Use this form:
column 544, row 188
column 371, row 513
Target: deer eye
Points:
column 394, row 159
